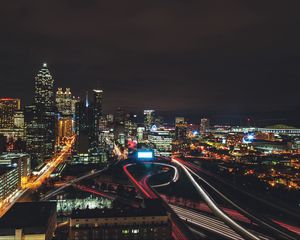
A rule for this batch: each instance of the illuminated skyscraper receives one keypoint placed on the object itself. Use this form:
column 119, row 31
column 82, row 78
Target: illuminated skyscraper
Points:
column 180, row 129
column 204, row 125
column 130, row 125
column 35, row 135
column 83, row 126
column 149, row 117
column 97, row 114
column 119, row 126
column 65, row 102
column 88, row 122
column 161, row 141
column 40, row 119
column 19, row 119
column 43, row 88
column 97, row 102
column 8, row 108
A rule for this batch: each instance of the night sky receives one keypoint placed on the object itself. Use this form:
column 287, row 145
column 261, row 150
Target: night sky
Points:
column 188, row 56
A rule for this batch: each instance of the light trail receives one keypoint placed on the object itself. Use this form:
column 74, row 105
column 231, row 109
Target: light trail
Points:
column 206, row 222
column 51, row 166
column 70, row 183
column 209, row 223
column 201, row 206
column 149, row 193
column 47, row 170
column 289, row 227
column 216, row 210
column 175, row 177
column 11, row 200
column 247, row 214
column 135, row 182
column 93, row 191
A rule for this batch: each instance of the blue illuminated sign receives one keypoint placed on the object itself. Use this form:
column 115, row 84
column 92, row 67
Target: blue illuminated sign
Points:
column 145, row 154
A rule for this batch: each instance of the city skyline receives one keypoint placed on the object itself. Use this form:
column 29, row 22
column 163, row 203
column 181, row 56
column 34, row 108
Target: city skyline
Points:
column 234, row 58
column 149, row 120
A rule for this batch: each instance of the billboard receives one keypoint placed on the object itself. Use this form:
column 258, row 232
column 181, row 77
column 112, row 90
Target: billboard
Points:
column 145, row 155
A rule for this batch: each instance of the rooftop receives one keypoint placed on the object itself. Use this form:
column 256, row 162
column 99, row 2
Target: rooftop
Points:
column 12, row 155
column 32, row 217
column 152, row 209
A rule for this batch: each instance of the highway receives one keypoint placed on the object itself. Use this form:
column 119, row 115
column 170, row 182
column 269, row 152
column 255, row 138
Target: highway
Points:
column 67, row 184
column 215, row 209
column 11, row 200
column 276, row 231
column 51, row 165
column 70, row 183
column 208, row 223
column 179, row 230
column 36, row 182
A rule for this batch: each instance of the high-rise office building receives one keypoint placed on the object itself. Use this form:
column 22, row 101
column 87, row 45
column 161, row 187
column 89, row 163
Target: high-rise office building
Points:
column 140, row 134
column 19, row 160
column 84, row 126
column 40, row 119
column 11, row 121
column 19, row 119
column 130, row 125
column 97, row 114
column 35, row 135
column 204, row 126
column 180, row 129
column 110, row 118
column 65, row 102
column 43, row 88
column 97, row 101
column 161, row 141
column 88, row 128
column 149, row 118
column 8, row 181
column 14, row 172
column 8, row 107
column 119, row 126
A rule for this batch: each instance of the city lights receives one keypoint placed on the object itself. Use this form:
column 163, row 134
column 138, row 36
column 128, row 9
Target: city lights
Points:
column 161, row 120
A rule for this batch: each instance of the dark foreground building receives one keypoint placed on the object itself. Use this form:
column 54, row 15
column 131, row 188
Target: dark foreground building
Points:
column 29, row 220
column 151, row 223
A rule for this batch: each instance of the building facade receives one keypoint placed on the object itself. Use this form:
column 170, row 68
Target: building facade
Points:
column 161, row 141
column 8, row 108
column 41, row 118
column 38, row 226
column 149, row 118
column 204, row 126
column 122, row 224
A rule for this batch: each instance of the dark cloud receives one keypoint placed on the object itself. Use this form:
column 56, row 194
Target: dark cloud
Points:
column 223, row 56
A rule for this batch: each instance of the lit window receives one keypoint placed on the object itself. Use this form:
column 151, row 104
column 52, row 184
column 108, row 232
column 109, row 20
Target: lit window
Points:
column 135, row 231
column 125, row 231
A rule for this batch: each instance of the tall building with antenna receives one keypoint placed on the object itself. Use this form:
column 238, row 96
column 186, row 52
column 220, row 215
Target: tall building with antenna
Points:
column 40, row 118
column 43, row 88
column 88, row 119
